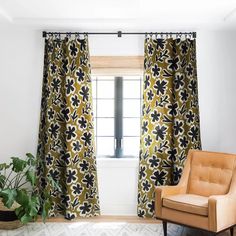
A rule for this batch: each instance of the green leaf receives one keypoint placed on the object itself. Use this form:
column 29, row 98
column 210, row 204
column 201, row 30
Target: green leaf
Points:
column 18, row 164
column 45, row 209
column 22, row 197
column 31, row 159
column 33, row 206
column 8, row 197
column 25, row 218
column 31, row 177
column 4, row 166
column 2, row 180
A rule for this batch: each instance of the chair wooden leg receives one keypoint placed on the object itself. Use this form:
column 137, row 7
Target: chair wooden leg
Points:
column 232, row 231
column 164, row 223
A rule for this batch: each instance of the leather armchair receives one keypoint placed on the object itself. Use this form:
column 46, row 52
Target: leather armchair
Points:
column 205, row 197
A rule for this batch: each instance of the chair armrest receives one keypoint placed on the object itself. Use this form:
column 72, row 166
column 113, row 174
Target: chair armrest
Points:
column 162, row 191
column 221, row 211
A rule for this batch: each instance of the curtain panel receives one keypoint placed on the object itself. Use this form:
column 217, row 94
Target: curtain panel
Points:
column 66, row 132
column 170, row 115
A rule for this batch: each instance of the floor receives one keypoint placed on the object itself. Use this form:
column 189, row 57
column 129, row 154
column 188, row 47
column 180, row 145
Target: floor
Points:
column 103, row 226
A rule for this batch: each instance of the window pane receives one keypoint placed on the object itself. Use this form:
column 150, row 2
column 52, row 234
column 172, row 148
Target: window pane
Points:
column 105, row 126
column 131, row 126
column 105, row 108
column 131, row 146
column 131, row 89
column 105, row 146
column 105, row 89
column 131, row 108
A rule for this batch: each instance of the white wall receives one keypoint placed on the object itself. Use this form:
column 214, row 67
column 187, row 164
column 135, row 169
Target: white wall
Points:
column 21, row 66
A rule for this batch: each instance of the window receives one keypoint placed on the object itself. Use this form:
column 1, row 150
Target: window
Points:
column 117, row 111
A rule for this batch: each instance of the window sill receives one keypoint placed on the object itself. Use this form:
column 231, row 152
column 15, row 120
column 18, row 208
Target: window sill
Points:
column 127, row 162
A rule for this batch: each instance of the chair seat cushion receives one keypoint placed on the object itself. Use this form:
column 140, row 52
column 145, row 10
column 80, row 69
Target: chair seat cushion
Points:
column 190, row 203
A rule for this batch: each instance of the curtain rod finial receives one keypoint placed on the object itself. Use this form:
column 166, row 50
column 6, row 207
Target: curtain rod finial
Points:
column 194, row 35
column 44, row 34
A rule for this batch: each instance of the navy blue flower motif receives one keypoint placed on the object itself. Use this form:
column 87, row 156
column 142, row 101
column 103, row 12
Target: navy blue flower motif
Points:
column 160, row 132
column 193, row 133
column 154, row 161
column 146, row 81
column 70, row 132
column 53, row 68
column 141, row 213
column 177, row 174
column 75, row 101
column 189, row 69
column 173, row 63
column 82, row 123
column 160, row 43
column 178, row 81
column 172, row 154
column 150, row 49
column 158, row 177
column 160, row 86
column 178, row 127
column 190, row 116
column 193, row 86
column 49, row 159
column 88, row 180
column 156, row 70
column 65, row 65
column 84, row 166
column 148, row 140
column 65, row 112
column 87, row 137
column 76, row 146
column 155, row 116
column 146, row 186
column 184, row 48
column 85, row 208
column 142, row 172
column 85, row 93
column 184, row 95
column 53, row 129
column 150, row 206
column 55, row 85
column 150, row 95
column 77, row 189
column 144, row 127
column 50, row 113
column 71, row 176
column 73, row 49
column 65, row 200
column 65, row 157
column 173, row 109
column 69, row 86
column 183, row 142
column 80, row 74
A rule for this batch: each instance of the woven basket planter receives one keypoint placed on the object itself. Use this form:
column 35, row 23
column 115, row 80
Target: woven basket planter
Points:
column 8, row 218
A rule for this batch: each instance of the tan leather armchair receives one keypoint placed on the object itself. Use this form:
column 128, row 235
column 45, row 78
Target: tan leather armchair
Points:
column 205, row 197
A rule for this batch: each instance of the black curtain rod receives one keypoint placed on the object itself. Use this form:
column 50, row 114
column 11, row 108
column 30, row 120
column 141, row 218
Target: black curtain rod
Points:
column 119, row 33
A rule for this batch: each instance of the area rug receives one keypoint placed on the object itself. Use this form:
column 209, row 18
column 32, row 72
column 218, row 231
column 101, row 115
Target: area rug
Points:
column 92, row 229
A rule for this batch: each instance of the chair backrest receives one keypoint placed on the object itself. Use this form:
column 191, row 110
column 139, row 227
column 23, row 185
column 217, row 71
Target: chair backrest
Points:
column 210, row 173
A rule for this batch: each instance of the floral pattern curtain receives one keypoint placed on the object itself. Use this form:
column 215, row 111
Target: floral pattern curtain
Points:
column 66, row 133
column 170, row 115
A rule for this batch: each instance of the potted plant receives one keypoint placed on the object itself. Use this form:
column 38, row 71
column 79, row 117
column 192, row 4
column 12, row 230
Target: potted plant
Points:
column 19, row 202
